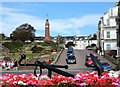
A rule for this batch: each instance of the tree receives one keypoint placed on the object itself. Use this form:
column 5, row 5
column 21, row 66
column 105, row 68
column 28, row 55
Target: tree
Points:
column 74, row 40
column 60, row 40
column 94, row 37
column 2, row 36
column 23, row 32
column 69, row 44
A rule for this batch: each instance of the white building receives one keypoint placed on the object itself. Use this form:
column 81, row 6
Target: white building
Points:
column 108, row 25
column 82, row 42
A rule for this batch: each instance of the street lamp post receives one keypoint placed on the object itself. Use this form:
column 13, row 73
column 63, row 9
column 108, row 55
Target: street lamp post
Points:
column 103, row 49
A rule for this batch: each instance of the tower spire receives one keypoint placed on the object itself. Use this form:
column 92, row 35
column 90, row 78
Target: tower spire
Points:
column 47, row 16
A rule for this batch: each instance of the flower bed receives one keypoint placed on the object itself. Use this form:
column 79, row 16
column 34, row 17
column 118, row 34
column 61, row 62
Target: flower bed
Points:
column 111, row 79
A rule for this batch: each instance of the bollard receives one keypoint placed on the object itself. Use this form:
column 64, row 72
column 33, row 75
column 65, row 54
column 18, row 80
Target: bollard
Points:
column 97, row 64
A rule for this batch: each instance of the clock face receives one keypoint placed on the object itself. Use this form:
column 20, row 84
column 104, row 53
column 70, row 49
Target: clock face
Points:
column 46, row 26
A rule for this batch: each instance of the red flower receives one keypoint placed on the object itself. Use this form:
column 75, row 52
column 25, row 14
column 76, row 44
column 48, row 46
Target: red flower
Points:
column 79, row 79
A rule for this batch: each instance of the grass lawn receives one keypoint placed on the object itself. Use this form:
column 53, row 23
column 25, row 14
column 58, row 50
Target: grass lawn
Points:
column 31, row 56
column 17, row 55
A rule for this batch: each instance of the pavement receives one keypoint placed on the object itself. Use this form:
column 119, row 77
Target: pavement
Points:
column 44, row 71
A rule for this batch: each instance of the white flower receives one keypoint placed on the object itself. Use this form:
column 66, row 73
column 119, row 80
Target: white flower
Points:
column 103, row 77
column 95, row 75
column 44, row 77
column 115, row 83
column 111, row 71
column 93, row 72
column 113, row 74
column 83, row 84
column 77, row 75
column 15, row 76
column 34, row 77
column 24, row 83
column 20, row 82
column 23, row 75
column 15, row 82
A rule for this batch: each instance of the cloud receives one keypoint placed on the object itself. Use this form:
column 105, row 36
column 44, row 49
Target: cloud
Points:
column 12, row 18
column 72, row 26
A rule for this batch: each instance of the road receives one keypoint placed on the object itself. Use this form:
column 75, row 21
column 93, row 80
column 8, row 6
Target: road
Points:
column 80, row 57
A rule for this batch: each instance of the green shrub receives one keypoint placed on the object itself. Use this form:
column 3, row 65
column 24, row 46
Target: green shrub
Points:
column 13, row 46
column 39, row 49
column 51, row 43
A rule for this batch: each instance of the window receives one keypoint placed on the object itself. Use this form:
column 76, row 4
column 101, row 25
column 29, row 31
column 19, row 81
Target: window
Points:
column 108, row 22
column 103, row 33
column 108, row 47
column 108, row 34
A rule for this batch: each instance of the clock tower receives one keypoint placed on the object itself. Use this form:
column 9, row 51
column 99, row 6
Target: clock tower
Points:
column 47, row 31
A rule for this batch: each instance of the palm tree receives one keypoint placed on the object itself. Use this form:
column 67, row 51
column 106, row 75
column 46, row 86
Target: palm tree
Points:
column 60, row 40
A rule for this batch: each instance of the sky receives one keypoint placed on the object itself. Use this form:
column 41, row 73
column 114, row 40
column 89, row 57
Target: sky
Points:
column 65, row 18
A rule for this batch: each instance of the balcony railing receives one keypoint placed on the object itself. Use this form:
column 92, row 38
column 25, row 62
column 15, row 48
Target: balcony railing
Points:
column 108, row 26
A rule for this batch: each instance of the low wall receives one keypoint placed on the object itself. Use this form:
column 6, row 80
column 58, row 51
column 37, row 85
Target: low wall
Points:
column 110, row 59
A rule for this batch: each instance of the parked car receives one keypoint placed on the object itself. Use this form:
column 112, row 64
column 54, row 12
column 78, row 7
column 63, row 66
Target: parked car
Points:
column 88, row 60
column 70, row 51
column 105, row 66
column 71, row 59
column 70, row 48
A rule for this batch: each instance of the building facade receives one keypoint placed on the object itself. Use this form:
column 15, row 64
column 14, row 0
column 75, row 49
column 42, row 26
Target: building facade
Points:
column 107, row 30
column 81, row 42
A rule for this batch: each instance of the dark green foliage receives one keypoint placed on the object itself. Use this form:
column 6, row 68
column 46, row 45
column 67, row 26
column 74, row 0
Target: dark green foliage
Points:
column 2, row 36
column 13, row 46
column 93, row 45
column 69, row 44
column 59, row 40
column 88, row 47
column 94, row 37
column 51, row 43
column 23, row 32
column 39, row 49
column 36, row 49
